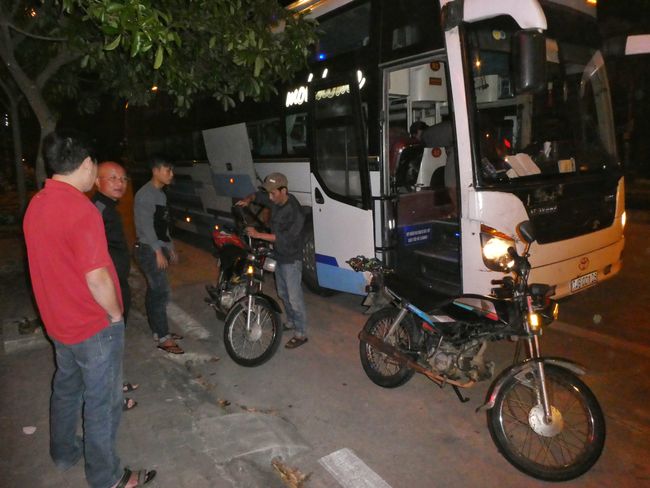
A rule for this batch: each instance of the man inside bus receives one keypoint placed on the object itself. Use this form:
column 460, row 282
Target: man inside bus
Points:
column 287, row 222
column 417, row 128
column 442, row 135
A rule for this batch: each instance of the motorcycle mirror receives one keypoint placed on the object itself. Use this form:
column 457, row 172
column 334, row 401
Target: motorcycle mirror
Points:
column 526, row 232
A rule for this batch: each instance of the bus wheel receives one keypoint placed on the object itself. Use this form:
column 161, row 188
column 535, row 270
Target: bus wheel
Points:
column 309, row 276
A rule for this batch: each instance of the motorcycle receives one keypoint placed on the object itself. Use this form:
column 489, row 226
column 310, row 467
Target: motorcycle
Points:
column 543, row 419
column 252, row 326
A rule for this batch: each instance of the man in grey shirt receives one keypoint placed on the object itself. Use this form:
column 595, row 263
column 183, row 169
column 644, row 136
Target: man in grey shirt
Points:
column 154, row 251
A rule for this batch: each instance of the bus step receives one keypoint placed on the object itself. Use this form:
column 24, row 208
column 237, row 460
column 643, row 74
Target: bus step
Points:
column 441, row 285
column 444, row 255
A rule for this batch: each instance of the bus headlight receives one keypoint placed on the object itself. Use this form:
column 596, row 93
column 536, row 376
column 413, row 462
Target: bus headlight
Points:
column 494, row 247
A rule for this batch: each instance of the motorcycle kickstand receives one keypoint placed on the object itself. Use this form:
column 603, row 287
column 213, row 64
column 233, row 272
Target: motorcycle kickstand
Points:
column 459, row 394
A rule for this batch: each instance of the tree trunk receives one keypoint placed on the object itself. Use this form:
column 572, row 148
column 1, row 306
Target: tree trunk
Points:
column 18, row 157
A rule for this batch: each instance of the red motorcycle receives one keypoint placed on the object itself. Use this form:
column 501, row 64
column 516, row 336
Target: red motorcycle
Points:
column 252, row 327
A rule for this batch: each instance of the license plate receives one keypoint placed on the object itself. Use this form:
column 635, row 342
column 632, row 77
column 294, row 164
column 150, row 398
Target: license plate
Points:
column 584, row 281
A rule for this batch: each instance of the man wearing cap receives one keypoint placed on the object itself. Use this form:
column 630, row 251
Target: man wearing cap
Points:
column 287, row 222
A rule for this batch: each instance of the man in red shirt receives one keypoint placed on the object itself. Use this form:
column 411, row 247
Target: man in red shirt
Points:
column 78, row 296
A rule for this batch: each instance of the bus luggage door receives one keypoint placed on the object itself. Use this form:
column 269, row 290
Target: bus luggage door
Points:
column 341, row 204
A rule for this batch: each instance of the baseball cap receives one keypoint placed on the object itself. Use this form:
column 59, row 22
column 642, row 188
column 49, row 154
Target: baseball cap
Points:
column 275, row 181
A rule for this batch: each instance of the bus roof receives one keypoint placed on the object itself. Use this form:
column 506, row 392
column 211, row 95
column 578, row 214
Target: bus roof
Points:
column 316, row 8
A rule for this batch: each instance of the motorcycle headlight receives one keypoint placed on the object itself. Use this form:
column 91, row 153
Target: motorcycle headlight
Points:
column 270, row 264
column 494, row 247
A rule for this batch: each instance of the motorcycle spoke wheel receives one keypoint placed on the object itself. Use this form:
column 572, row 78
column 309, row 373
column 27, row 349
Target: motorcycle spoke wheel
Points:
column 254, row 346
column 381, row 368
column 559, row 450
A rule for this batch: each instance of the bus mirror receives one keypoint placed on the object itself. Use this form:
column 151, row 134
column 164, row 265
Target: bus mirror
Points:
column 529, row 54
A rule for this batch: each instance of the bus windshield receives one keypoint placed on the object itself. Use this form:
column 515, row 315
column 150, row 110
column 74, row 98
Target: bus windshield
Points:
column 565, row 129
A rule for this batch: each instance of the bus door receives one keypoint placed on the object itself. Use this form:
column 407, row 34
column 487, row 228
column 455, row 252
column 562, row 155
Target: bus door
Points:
column 422, row 175
column 341, row 204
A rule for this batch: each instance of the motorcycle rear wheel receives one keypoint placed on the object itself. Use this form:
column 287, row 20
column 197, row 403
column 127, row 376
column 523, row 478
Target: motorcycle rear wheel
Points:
column 380, row 368
column 561, row 450
column 254, row 347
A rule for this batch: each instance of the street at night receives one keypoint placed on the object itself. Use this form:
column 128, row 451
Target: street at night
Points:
column 203, row 421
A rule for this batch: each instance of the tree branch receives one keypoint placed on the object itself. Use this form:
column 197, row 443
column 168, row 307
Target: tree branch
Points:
column 62, row 58
column 36, row 36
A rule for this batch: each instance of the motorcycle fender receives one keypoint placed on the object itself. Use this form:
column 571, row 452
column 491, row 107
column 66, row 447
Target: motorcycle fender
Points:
column 527, row 365
column 271, row 301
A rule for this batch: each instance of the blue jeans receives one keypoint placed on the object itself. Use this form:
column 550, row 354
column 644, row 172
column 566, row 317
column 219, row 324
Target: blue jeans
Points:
column 88, row 381
column 158, row 291
column 288, row 280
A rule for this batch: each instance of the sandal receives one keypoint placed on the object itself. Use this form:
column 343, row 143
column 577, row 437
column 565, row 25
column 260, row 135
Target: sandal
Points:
column 126, row 387
column 170, row 347
column 128, row 404
column 143, row 476
column 295, row 342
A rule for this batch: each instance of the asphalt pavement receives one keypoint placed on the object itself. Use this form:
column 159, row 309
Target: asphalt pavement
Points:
column 180, row 427
column 195, row 423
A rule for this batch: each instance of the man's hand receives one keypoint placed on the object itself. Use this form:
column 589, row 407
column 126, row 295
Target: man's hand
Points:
column 161, row 260
column 252, row 232
column 245, row 202
column 103, row 290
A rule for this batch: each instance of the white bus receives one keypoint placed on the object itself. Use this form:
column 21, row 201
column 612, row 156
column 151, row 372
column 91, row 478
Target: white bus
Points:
column 516, row 97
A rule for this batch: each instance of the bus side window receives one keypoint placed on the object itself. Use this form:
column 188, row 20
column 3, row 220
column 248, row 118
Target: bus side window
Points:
column 265, row 137
column 296, row 130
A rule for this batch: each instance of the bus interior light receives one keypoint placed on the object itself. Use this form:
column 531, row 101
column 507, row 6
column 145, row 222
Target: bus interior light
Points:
column 231, row 180
column 188, row 219
column 321, row 56
column 324, row 75
column 310, row 77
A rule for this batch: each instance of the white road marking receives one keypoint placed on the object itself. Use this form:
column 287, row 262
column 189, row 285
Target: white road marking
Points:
column 350, row 471
column 186, row 322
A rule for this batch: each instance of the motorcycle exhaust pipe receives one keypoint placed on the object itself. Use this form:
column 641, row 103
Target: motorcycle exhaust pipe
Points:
column 404, row 360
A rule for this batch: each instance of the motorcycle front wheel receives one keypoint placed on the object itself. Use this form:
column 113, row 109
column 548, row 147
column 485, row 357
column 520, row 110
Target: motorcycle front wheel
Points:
column 381, row 368
column 254, row 346
column 560, row 450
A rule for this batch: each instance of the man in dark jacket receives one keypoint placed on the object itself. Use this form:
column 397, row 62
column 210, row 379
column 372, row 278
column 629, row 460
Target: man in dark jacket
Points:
column 287, row 222
column 111, row 184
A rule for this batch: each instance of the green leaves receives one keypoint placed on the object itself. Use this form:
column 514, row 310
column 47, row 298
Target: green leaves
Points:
column 159, row 57
column 114, row 43
column 228, row 49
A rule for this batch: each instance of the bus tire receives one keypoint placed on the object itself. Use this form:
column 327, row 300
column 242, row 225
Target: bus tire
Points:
column 309, row 273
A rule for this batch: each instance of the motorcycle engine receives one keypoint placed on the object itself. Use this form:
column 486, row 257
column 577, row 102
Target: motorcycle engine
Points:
column 228, row 297
column 466, row 363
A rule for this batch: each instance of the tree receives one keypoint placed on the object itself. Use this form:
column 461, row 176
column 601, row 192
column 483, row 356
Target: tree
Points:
column 12, row 98
column 227, row 49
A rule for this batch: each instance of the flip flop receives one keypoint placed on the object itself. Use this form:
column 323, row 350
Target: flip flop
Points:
column 171, row 347
column 295, row 342
column 144, row 477
column 126, row 387
column 128, row 404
